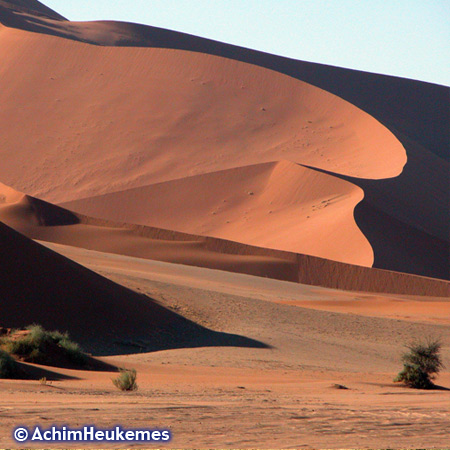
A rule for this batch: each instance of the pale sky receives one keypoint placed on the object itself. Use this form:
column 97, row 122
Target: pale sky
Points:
column 407, row 38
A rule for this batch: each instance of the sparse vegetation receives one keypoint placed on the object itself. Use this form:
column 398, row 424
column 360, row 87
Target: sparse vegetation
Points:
column 39, row 346
column 126, row 381
column 8, row 366
column 421, row 364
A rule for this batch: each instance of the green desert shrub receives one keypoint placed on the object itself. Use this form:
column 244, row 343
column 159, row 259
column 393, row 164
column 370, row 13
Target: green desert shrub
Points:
column 126, row 381
column 38, row 345
column 73, row 350
column 8, row 366
column 421, row 364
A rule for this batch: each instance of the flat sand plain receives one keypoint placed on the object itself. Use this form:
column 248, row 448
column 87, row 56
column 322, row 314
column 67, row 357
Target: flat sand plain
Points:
column 282, row 396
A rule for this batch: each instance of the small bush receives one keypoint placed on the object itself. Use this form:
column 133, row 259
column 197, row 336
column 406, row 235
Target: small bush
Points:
column 421, row 364
column 126, row 381
column 73, row 351
column 36, row 346
column 8, row 366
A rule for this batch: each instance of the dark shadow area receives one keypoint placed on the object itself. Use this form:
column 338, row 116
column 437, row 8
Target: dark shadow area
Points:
column 31, row 6
column 400, row 247
column 50, row 215
column 29, row 372
column 199, row 337
column 437, row 387
column 40, row 286
column 405, row 389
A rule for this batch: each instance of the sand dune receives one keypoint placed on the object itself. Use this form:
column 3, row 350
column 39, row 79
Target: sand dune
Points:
column 106, row 119
column 275, row 205
column 41, row 220
column 141, row 136
column 107, row 123
column 417, row 109
column 417, row 113
column 38, row 219
column 425, row 309
column 406, row 218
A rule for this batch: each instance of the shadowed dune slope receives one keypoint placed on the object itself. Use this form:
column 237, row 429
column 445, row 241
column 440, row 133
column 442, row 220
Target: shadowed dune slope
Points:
column 20, row 10
column 40, row 220
column 40, row 286
column 275, row 205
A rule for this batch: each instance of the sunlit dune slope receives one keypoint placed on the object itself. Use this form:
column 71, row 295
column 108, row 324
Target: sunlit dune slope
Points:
column 38, row 219
column 275, row 205
column 105, row 119
column 418, row 110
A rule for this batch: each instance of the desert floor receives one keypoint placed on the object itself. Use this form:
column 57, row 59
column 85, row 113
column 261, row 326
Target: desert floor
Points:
column 281, row 395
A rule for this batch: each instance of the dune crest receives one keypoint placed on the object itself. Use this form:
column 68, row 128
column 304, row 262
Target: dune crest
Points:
column 107, row 119
column 278, row 205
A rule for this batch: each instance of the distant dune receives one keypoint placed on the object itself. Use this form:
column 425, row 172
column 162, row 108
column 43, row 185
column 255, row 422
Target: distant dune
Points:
column 40, row 220
column 216, row 141
column 280, row 205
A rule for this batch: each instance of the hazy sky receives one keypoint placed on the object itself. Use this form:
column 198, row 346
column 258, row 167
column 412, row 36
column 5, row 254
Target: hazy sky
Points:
column 408, row 38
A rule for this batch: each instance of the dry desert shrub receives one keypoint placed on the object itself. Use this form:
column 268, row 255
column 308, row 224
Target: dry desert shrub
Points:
column 126, row 381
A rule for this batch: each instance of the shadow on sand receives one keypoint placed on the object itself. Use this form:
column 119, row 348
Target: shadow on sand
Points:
column 40, row 286
column 196, row 337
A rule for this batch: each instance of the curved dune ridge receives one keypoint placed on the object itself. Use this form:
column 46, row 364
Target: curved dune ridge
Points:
column 274, row 205
column 106, row 119
column 38, row 219
column 416, row 112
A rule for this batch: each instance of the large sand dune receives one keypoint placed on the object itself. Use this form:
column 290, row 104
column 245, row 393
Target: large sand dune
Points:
column 116, row 118
column 38, row 219
column 219, row 142
column 275, row 205
column 105, row 119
